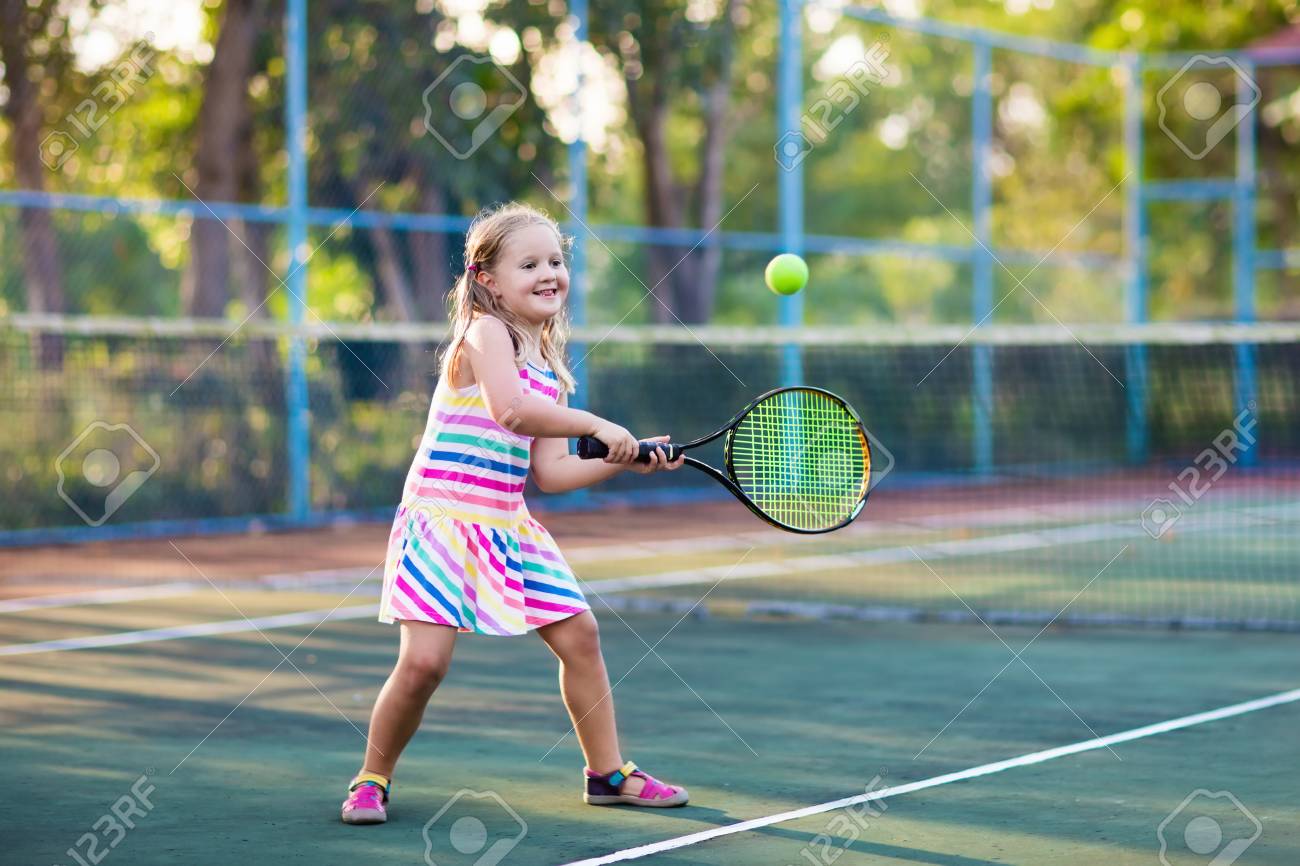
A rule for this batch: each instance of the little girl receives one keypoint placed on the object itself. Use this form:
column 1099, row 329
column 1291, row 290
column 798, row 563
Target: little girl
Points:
column 465, row 555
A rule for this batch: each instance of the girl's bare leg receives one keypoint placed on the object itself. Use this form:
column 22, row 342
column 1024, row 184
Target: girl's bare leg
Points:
column 421, row 665
column 584, row 685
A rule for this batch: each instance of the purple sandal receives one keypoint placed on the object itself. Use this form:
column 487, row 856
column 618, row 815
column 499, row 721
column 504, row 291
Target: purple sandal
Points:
column 604, row 790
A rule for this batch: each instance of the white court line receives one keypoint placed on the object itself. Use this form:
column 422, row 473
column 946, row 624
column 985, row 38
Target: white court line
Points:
column 307, row 580
column 948, row 778
column 1015, row 541
column 1057, row 511
column 99, row 596
column 200, row 629
column 1072, row 511
column 1011, row 542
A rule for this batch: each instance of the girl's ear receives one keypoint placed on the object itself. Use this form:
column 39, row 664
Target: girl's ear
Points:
column 487, row 281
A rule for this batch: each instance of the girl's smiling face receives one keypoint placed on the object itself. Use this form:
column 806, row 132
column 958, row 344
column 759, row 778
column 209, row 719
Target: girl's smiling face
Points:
column 529, row 276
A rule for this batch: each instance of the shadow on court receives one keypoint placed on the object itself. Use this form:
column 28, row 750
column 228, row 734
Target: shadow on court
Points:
column 240, row 764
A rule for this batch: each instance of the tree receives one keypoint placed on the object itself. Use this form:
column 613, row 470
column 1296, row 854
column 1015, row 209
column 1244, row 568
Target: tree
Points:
column 373, row 147
column 226, row 165
column 667, row 59
column 33, row 59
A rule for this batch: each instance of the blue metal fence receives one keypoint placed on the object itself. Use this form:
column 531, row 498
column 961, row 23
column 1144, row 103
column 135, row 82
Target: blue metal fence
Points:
column 1240, row 190
column 982, row 254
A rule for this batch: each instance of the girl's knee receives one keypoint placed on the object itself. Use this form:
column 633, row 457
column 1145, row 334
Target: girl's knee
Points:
column 425, row 655
column 582, row 640
column 424, row 670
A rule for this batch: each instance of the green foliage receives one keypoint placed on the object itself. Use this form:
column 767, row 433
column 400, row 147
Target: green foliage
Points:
column 1057, row 151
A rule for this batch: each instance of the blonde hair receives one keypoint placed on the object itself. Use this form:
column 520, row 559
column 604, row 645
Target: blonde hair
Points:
column 469, row 299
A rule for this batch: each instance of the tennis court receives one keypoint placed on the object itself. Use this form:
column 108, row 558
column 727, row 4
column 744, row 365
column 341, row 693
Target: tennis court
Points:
column 995, row 562
column 765, row 709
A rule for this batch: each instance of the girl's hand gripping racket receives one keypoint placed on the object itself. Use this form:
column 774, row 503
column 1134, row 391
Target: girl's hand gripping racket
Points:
column 799, row 458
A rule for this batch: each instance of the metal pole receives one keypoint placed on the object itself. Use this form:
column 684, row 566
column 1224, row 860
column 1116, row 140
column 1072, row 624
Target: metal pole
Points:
column 298, row 432
column 1135, row 240
column 790, row 175
column 1243, row 254
column 982, row 263
column 578, row 209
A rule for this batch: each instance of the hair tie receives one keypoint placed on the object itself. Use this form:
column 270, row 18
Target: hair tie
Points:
column 471, row 268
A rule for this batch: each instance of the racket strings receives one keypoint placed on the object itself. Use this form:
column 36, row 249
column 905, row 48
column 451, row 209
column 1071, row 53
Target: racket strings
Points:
column 801, row 458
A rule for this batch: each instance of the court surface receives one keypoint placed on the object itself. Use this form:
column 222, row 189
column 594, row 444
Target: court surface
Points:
column 168, row 663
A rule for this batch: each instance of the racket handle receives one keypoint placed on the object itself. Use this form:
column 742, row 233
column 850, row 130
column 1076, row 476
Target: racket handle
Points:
column 591, row 448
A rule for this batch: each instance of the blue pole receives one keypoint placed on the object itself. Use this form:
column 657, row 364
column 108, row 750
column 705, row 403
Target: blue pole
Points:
column 299, row 440
column 578, row 206
column 1243, row 255
column 1135, row 240
column 790, row 173
column 982, row 263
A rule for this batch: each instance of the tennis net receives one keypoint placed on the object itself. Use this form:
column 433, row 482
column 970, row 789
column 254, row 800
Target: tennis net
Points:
column 1099, row 474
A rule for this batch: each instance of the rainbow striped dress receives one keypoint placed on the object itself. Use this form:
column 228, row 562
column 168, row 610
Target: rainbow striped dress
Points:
column 464, row 551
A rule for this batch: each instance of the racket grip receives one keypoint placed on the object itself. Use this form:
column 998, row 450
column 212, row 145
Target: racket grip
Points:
column 591, row 448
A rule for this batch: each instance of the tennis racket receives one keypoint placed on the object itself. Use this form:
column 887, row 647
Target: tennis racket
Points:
column 799, row 458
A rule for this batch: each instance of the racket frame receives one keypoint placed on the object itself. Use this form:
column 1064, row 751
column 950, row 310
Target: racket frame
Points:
column 728, row 481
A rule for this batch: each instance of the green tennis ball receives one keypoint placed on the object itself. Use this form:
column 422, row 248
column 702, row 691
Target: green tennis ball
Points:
column 786, row 274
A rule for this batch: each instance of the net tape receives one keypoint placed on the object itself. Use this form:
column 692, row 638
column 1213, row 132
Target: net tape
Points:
column 1160, row 333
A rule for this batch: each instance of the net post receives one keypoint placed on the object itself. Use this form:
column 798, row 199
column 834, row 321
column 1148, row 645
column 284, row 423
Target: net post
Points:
column 577, row 153
column 296, row 397
column 1243, row 251
column 790, row 180
column 982, row 262
column 1135, row 241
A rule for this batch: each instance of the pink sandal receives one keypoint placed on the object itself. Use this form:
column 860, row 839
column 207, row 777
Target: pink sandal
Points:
column 367, row 794
column 605, row 790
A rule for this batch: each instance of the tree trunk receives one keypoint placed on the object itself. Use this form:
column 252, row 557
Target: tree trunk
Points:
column 662, row 198
column 683, row 277
column 223, row 132
column 430, row 263
column 698, row 298
column 392, row 275
column 252, row 259
column 42, row 270
column 398, row 299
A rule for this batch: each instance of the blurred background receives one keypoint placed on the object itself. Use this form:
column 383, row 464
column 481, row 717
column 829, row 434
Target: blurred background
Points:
column 289, row 187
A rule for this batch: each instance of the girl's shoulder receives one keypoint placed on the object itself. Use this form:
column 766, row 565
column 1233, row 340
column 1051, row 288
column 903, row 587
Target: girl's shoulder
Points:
column 484, row 318
column 485, row 328
column 460, row 371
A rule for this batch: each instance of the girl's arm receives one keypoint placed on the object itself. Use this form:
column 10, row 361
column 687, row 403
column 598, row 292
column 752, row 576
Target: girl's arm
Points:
column 491, row 354
column 555, row 470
